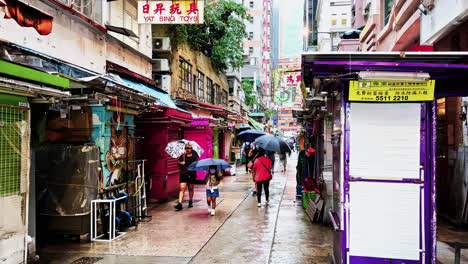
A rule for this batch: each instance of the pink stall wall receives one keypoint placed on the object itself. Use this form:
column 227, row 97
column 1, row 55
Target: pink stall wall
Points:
column 204, row 137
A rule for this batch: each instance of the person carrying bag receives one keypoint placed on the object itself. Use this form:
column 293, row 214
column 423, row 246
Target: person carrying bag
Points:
column 261, row 174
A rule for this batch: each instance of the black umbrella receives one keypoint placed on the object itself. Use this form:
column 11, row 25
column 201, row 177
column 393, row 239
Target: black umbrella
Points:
column 272, row 143
column 250, row 135
column 351, row 34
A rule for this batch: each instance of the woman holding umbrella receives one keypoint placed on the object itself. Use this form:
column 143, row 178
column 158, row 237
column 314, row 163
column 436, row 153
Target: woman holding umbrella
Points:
column 186, row 177
column 261, row 174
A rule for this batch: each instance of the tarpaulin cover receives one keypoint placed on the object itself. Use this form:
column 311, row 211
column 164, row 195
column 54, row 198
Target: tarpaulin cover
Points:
column 68, row 177
column 27, row 16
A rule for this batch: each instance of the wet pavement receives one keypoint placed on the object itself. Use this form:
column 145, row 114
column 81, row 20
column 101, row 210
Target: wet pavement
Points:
column 279, row 232
column 447, row 233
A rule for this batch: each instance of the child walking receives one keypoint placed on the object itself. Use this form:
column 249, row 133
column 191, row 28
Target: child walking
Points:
column 212, row 181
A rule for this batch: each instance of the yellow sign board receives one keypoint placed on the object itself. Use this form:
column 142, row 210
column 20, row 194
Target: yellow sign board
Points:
column 391, row 91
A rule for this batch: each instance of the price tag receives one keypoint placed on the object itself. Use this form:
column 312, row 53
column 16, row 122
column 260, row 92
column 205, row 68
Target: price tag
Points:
column 391, row 91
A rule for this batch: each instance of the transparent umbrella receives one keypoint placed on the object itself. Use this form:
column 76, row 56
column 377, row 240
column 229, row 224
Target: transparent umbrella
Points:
column 175, row 149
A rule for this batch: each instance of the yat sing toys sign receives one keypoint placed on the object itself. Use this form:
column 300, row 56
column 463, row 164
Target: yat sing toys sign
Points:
column 170, row 12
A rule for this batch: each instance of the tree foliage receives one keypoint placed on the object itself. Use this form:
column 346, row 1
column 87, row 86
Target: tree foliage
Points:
column 250, row 93
column 219, row 37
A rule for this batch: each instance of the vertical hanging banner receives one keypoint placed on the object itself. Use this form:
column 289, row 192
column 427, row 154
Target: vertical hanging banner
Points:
column 170, row 12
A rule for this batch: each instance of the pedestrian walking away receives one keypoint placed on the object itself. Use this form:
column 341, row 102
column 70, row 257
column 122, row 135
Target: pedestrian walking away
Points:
column 283, row 160
column 187, row 178
column 271, row 156
column 253, row 155
column 245, row 151
column 261, row 174
column 212, row 180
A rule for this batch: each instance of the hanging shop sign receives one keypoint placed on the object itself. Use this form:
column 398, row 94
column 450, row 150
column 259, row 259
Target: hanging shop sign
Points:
column 170, row 12
column 286, row 86
column 391, row 91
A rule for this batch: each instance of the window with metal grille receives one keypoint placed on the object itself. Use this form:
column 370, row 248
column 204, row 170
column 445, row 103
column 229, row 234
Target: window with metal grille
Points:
column 201, row 85
column 224, row 98
column 217, row 95
column 185, row 76
column 209, row 91
column 11, row 122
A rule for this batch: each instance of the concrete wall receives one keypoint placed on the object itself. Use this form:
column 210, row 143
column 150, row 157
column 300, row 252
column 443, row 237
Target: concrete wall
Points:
column 442, row 19
column 76, row 41
column 400, row 33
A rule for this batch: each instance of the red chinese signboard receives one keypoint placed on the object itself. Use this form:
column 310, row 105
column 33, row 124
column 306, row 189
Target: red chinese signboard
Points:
column 170, row 12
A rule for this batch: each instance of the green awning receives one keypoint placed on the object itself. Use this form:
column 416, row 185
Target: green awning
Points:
column 257, row 114
column 19, row 71
column 255, row 124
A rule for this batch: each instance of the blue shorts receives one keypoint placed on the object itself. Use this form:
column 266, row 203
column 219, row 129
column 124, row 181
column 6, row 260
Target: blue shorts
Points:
column 215, row 193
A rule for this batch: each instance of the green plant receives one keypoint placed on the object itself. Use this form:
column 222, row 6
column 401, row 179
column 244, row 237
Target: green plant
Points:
column 268, row 113
column 219, row 37
column 249, row 91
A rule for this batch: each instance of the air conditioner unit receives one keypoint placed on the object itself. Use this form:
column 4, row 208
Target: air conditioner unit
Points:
column 161, row 65
column 166, row 83
column 161, row 44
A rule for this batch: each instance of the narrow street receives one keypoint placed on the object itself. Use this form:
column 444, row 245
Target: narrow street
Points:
column 239, row 232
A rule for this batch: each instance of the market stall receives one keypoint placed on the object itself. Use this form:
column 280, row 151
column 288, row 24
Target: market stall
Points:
column 384, row 141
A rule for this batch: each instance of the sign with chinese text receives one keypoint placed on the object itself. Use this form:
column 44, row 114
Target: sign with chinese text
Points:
column 170, row 12
column 391, row 91
column 286, row 84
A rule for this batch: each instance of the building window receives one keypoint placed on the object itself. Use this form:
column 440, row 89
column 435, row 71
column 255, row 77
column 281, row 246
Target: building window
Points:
column 231, row 86
column 217, row 95
column 185, row 76
column 209, row 91
column 343, row 21
column 90, row 8
column 250, row 35
column 201, row 85
column 251, row 19
column 251, row 49
column 333, row 22
column 224, row 99
column 131, row 17
column 387, row 10
column 251, row 4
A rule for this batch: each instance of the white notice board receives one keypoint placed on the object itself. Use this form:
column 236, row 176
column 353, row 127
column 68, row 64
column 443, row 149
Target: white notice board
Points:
column 384, row 220
column 385, row 141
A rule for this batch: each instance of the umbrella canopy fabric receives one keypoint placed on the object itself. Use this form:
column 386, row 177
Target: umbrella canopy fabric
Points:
column 204, row 165
column 351, row 34
column 250, row 135
column 272, row 143
column 175, row 149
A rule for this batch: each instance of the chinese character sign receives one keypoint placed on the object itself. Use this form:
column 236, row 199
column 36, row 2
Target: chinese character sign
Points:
column 170, row 12
column 391, row 91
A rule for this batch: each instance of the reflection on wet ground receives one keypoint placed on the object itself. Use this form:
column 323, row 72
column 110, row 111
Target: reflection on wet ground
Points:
column 240, row 232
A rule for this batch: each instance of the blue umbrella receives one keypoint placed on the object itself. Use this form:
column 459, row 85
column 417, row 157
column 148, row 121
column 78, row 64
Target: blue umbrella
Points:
column 272, row 143
column 250, row 135
column 204, row 165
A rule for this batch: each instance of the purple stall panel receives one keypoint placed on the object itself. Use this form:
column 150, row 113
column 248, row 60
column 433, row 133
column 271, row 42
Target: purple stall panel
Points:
column 368, row 260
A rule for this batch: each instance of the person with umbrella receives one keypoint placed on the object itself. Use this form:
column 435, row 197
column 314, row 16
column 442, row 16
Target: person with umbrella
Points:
column 212, row 179
column 187, row 178
column 261, row 174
